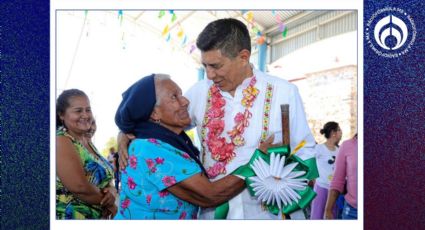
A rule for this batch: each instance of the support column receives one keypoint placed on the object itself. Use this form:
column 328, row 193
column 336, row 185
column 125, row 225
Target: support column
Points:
column 262, row 56
column 201, row 73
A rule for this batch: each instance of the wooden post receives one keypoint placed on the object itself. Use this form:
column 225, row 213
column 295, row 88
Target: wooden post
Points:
column 284, row 109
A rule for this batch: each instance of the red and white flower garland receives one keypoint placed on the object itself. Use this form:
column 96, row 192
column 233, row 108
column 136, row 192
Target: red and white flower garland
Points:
column 221, row 150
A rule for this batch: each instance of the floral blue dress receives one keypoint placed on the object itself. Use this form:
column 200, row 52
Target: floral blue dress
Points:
column 153, row 167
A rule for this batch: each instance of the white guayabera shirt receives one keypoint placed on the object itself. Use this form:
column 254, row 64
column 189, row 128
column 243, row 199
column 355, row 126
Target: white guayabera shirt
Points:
column 245, row 206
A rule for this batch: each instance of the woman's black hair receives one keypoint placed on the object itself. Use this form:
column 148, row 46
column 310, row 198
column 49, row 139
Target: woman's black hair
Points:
column 62, row 103
column 328, row 128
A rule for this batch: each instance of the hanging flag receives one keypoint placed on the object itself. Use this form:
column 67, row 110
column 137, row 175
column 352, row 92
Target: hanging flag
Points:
column 274, row 12
column 278, row 18
column 180, row 33
column 285, row 32
column 161, row 13
column 85, row 13
column 165, row 30
column 184, row 40
column 120, row 16
column 192, row 48
column 250, row 16
column 173, row 18
column 261, row 40
column 281, row 27
column 168, row 37
column 171, row 11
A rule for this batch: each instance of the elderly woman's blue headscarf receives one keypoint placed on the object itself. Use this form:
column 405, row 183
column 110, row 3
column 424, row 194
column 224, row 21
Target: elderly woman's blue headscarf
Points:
column 133, row 116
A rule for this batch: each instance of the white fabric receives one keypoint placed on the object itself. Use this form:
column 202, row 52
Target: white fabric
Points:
column 326, row 170
column 283, row 93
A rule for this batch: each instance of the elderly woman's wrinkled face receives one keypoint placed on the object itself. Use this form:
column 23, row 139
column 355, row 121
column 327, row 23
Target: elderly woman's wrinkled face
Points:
column 172, row 110
column 78, row 116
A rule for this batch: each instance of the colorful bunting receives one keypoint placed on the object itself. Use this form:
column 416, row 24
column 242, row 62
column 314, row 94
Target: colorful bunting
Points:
column 165, row 30
column 285, row 32
column 120, row 16
column 161, row 14
column 168, row 37
column 281, row 27
column 250, row 16
column 173, row 18
column 261, row 40
column 180, row 33
column 192, row 48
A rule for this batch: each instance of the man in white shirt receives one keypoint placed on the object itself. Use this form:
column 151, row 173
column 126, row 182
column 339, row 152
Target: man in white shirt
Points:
column 236, row 108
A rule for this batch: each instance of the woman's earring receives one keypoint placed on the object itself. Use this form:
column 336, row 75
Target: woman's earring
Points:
column 63, row 125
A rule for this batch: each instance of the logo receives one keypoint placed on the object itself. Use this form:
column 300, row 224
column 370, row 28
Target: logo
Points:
column 390, row 32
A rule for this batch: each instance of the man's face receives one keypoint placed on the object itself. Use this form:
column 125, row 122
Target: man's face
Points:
column 227, row 73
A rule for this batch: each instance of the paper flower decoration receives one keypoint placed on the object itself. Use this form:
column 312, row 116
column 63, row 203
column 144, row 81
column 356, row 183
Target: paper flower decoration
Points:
column 276, row 183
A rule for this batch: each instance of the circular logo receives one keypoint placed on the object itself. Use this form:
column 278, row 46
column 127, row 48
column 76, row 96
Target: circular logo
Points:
column 390, row 32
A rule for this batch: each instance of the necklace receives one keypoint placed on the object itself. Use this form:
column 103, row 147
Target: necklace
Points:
column 221, row 150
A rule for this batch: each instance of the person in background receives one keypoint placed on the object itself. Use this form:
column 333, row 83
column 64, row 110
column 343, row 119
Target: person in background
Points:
column 345, row 175
column 326, row 154
column 83, row 183
column 111, row 155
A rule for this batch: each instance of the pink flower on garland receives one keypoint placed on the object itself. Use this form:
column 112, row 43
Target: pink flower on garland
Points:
column 159, row 160
column 169, row 180
column 133, row 162
column 222, row 151
column 125, row 203
column 215, row 126
column 216, row 169
column 148, row 199
column 183, row 215
column 216, row 113
column 217, row 102
column 131, row 183
column 163, row 193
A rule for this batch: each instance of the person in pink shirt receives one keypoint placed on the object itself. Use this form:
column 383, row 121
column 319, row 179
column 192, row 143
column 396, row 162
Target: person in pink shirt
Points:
column 345, row 174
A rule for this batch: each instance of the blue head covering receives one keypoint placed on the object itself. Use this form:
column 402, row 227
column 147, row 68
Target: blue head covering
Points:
column 133, row 116
column 137, row 104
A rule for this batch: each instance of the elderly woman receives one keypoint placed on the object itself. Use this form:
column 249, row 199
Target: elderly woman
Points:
column 83, row 182
column 164, row 178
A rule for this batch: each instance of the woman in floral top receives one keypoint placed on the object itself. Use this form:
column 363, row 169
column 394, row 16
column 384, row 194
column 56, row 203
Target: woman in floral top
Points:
column 83, row 182
column 164, row 178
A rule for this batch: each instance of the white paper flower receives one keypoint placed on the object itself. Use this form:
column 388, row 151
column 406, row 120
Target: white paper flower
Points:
column 276, row 183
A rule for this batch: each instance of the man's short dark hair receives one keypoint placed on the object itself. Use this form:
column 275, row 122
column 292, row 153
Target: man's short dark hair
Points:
column 228, row 35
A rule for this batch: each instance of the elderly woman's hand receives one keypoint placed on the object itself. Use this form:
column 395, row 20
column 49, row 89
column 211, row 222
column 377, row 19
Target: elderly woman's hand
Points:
column 109, row 196
column 123, row 142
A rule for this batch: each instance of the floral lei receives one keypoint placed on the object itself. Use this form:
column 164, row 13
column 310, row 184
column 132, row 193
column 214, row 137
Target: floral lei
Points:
column 221, row 150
